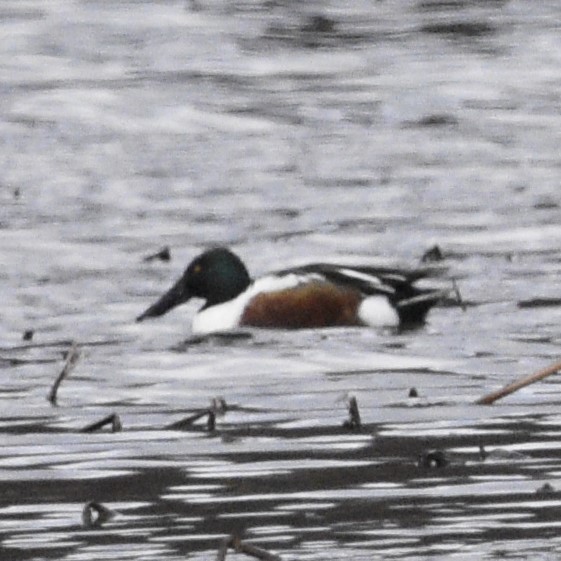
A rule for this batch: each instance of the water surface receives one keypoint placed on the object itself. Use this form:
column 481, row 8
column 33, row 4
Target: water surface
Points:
column 291, row 132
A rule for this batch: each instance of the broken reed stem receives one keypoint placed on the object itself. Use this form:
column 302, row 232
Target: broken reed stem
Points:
column 71, row 360
column 526, row 381
column 354, row 421
column 211, row 421
column 241, row 547
column 188, row 421
column 458, row 294
column 114, row 420
column 218, row 406
column 223, row 549
column 354, row 413
column 256, row 552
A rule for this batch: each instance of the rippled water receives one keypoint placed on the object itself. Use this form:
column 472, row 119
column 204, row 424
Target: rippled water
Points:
column 292, row 132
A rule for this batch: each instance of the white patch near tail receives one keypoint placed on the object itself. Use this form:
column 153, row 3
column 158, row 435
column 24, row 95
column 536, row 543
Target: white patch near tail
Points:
column 377, row 311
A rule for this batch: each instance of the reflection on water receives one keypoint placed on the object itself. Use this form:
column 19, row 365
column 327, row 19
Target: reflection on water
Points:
column 293, row 132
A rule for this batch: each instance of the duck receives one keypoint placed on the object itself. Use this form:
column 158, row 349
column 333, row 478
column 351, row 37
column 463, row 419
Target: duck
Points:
column 316, row 295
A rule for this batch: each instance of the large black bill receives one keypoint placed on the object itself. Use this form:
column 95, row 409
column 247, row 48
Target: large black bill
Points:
column 176, row 295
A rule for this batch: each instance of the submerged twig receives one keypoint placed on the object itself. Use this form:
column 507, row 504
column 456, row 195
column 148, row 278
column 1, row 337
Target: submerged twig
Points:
column 526, row 381
column 240, row 546
column 114, row 420
column 71, row 359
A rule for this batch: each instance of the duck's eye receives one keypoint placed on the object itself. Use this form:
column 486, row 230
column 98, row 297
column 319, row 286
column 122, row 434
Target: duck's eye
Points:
column 197, row 268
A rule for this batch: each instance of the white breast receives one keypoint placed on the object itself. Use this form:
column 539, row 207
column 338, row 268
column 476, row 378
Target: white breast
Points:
column 377, row 311
column 227, row 316
column 222, row 317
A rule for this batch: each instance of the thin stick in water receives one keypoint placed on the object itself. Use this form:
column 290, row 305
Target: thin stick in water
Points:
column 526, row 381
column 71, row 359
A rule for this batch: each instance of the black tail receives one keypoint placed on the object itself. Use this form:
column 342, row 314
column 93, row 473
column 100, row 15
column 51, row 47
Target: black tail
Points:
column 413, row 310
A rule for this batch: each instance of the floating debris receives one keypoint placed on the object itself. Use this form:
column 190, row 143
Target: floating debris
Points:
column 193, row 5
column 220, row 338
column 95, row 514
column 240, row 546
column 64, row 343
column 163, row 255
column 432, row 255
column 353, row 422
column 499, row 454
column 114, row 420
column 72, row 357
column 218, row 405
column 546, row 204
column 413, row 392
column 28, row 335
column 462, row 29
column 436, row 120
column 539, row 303
column 12, row 361
column 433, row 459
column 319, row 23
column 545, row 489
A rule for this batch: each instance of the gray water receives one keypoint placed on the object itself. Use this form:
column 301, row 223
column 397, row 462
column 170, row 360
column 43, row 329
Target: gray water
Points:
column 368, row 136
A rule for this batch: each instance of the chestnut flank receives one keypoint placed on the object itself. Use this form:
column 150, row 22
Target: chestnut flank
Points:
column 314, row 304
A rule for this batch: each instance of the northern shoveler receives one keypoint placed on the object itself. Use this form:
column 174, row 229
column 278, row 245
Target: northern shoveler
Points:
column 317, row 295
